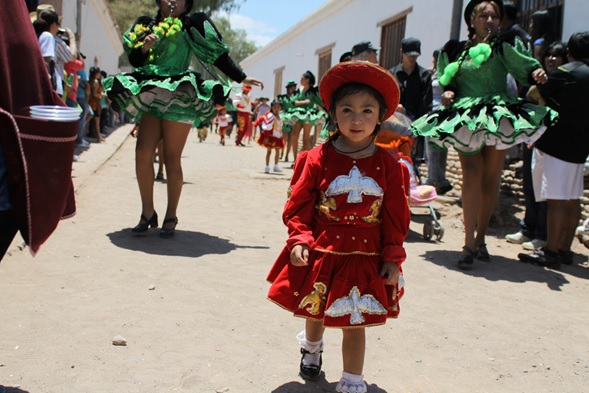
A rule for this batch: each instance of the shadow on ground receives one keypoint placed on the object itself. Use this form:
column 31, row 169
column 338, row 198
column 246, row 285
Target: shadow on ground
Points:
column 321, row 385
column 8, row 389
column 183, row 244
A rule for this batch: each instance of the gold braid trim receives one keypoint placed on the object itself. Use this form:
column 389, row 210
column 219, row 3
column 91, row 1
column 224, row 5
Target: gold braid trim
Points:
column 347, row 253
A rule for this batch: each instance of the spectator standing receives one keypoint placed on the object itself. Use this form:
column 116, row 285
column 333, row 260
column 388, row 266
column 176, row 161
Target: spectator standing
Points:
column 559, row 155
column 365, row 51
column 415, row 83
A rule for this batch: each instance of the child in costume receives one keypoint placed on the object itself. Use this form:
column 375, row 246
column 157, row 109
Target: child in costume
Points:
column 479, row 118
column 223, row 120
column 168, row 96
column 243, row 103
column 271, row 134
column 347, row 218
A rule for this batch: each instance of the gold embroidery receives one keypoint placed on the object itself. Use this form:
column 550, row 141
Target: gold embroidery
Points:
column 374, row 218
column 326, row 205
column 315, row 299
column 355, row 304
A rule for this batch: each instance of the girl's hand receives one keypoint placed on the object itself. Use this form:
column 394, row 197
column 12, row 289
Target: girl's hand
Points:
column 302, row 102
column 148, row 42
column 299, row 256
column 254, row 82
column 540, row 76
column 447, row 98
column 390, row 272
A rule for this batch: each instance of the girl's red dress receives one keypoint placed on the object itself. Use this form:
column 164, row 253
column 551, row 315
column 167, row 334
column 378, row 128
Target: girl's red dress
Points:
column 271, row 135
column 353, row 214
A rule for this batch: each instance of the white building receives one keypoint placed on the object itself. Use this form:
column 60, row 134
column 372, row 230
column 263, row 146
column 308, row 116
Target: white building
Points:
column 94, row 22
column 316, row 42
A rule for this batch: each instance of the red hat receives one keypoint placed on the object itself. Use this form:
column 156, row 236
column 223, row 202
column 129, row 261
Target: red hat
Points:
column 246, row 87
column 365, row 72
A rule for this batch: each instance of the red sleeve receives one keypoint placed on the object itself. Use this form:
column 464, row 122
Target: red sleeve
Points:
column 395, row 215
column 300, row 207
column 258, row 121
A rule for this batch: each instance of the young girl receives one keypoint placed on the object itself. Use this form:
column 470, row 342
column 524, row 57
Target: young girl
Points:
column 169, row 96
column 271, row 135
column 223, row 120
column 347, row 217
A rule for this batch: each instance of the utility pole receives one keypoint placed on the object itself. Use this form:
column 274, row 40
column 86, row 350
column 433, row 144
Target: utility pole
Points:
column 79, row 21
column 456, row 20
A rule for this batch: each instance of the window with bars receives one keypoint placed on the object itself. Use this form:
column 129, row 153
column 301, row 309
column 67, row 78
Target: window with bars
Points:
column 390, row 42
column 554, row 8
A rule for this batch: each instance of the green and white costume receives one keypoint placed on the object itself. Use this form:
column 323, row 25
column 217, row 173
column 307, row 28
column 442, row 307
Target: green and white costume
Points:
column 308, row 113
column 483, row 113
column 162, row 85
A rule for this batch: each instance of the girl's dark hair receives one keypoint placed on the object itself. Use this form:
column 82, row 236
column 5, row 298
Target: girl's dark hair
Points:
column 189, row 5
column 557, row 48
column 354, row 88
column 579, row 45
column 40, row 26
column 49, row 16
column 94, row 71
column 309, row 75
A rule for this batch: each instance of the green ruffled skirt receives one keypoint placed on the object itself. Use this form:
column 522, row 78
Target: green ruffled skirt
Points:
column 473, row 123
column 167, row 94
column 311, row 116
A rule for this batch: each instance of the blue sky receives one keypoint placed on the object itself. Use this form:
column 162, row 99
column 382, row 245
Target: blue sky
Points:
column 264, row 20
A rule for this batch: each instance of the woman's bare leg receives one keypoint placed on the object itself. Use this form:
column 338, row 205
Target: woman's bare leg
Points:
column 148, row 137
column 296, row 130
column 472, row 167
column 307, row 136
column 175, row 135
column 493, row 161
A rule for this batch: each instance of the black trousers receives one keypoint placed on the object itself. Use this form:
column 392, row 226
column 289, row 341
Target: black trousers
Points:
column 8, row 230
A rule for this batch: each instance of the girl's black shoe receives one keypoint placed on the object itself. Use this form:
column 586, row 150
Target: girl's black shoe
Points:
column 310, row 372
column 167, row 233
column 482, row 254
column 144, row 224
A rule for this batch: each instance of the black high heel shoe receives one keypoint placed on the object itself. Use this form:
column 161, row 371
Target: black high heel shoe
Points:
column 310, row 372
column 167, row 233
column 481, row 253
column 466, row 259
column 144, row 224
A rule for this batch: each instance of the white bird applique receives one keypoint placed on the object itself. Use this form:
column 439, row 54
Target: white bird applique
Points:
column 355, row 305
column 354, row 184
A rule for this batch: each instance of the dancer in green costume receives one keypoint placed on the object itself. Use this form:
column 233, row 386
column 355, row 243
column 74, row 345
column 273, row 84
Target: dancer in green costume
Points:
column 479, row 118
column 287, row 103
column 305, row 113
column 168, row 97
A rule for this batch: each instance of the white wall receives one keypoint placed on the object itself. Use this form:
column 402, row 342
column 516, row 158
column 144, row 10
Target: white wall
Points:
column 100, row 42
column 576, row 18
column 345, row 23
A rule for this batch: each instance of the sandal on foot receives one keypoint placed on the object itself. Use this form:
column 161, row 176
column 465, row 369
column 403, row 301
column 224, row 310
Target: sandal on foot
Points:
column 481, row 253
column 144, row 224
column 167, row 233
column 310, row 372
column 466, row 258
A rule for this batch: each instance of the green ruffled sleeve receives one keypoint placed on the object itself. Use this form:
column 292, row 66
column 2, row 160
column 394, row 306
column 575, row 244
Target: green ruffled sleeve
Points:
column 519, row 61
column 207, row 44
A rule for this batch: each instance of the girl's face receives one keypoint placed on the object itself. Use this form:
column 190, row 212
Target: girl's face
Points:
column 304, row 81
column 552, row 62
column 357, row 115
column 173, row 8
column 276, row 109
column 486, row 21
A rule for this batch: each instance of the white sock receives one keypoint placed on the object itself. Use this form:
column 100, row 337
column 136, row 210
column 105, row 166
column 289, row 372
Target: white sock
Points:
column 353, row 377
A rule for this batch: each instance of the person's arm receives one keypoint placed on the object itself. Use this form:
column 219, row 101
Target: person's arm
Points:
column 520, row 64
column 427, row 97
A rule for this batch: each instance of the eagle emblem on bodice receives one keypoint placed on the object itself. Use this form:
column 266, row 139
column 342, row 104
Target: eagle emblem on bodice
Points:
column 355, row 185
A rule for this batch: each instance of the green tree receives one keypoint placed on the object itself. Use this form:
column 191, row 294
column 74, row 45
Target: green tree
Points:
column 236, row 39
column 126, row 11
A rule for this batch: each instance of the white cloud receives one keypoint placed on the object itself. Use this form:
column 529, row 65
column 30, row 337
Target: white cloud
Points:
column 257, row 31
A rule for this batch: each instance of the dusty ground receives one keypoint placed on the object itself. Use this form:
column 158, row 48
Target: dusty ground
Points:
column 205, row 326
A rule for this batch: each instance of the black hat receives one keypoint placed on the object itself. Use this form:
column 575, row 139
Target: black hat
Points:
column 472, row 3
column 291, row 83
column 411, row 46
column 362, row 47
column 346, row 56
